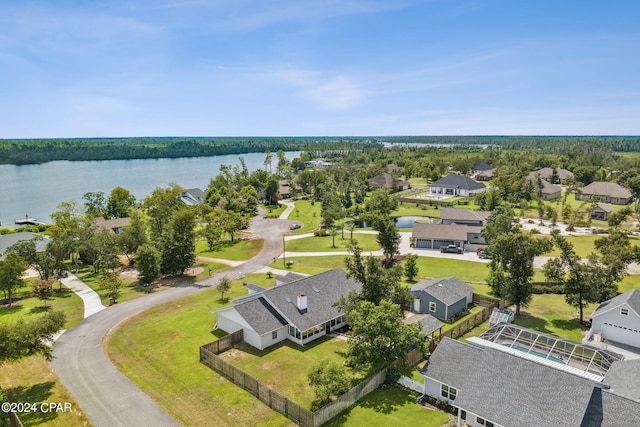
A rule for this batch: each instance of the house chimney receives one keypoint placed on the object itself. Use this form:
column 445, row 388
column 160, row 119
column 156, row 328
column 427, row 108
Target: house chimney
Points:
column 302, row 303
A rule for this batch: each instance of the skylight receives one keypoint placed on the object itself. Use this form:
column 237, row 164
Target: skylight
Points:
column 315, row 289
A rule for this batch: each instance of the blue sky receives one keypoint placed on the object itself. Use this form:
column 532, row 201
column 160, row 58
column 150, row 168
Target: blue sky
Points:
column 318, row 67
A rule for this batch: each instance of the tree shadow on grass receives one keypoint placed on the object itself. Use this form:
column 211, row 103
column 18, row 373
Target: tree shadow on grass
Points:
column 532, row 322
column 380, row 401
column 567, row 324
column 40, row 309
column 14, row 308
column 36, row 393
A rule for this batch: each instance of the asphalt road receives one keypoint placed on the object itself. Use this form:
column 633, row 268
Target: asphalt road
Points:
column 107, row 396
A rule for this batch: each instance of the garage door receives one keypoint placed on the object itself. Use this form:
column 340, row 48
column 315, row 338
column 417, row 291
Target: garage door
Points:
column 617, row 333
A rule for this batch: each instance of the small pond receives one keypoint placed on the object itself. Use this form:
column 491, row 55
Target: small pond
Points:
column 407, row 221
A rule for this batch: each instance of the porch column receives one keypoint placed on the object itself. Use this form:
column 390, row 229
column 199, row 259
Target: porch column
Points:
column 459, row 417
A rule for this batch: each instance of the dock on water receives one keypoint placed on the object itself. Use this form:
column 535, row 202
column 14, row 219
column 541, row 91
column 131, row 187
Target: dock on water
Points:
column 29, row 221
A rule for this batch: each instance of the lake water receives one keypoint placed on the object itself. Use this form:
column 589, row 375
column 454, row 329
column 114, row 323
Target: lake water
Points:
column 36, row 190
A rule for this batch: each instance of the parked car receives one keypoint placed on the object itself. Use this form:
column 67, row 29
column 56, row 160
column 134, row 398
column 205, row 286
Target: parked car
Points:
column 484, row 255
column 452, row 249
column 294, row 226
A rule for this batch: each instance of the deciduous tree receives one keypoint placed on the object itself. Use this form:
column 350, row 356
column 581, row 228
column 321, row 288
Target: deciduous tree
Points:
column 223, row 286
column 328, row 380
column 11, row 269
column 411, row 266
column 148, row 261
column 178, row 242
column 25, row 338
column 380, row 336
column 43, row 289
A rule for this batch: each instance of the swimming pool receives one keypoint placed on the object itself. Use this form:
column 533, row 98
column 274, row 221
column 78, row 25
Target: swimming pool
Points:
column 535, row 353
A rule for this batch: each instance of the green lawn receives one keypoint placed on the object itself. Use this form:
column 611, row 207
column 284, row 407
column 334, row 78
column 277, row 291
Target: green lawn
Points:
column 306, row 213
column 132, row 290
column 274, row 211
column 312, row 264
column 28, row 307
column 392, row 407
column 584, row 245
column 469, row 271
column 549, row 313
column 238, row 250
column 325, row 243
column 158, row 350
column 32, row 380
column 285, row 366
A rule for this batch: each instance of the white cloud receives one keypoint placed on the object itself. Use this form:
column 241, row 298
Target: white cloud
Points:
column 331, row 92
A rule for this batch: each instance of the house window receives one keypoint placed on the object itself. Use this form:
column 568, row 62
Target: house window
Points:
column 274, row 335
column 624, row 311
column 432, row 306
column 484, row 422
column 448, row 392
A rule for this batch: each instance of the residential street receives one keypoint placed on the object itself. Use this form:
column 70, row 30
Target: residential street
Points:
column 107, row 396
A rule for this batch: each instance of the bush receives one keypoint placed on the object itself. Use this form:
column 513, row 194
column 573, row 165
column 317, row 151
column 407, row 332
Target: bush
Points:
column 392, row 375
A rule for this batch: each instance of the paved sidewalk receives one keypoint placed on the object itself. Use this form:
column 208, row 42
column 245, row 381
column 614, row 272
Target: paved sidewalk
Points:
column 91, row 299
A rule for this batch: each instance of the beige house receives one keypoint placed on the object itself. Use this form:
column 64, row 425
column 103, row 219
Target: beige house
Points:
column 608, row 192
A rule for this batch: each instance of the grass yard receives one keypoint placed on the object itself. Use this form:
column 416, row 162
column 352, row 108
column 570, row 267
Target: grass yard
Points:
column 285, row 367
column 306, row 213
column 468, row 271
column 312, row 264
column 584, row 245
column 628, row 283
column 28, row 307
column 274, row 211
column 32, row 380
column 392, row 407
column 324, row 244
column 549, row 313
column 238, row 250
column 132, row 290
column 158, row 350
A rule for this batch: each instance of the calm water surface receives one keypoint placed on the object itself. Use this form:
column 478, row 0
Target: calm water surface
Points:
column 36, row 190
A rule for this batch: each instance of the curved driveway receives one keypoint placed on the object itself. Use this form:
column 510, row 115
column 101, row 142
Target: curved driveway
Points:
column 106, row 395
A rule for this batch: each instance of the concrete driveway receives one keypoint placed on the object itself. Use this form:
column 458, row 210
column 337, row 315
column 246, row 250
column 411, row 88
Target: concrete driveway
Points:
column 106, row 395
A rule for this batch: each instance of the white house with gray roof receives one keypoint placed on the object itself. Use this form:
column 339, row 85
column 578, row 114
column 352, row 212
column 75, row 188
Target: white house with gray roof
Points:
column 443, row 298
column 493, row 385
column 300, row 311
column 617, row 320
column 457, row 185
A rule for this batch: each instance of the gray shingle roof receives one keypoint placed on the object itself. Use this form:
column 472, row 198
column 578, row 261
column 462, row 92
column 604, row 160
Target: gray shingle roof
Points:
column 461, row 214
column 482, row 166
column 605, row 207
column 606, row 409
column 430, row 324
column 546, row 173
column 451, row 362
column 618, row 376
column 277, row 306
column 631, row 298
column 7, row 240
column 449, row 290
column 260, row 315
column 547, row 187
column 289, row 277
column 458, row 181
column 508, row 389
column 331, row 285
column 192, row 196
column 383, row 180
column 439, row 231
column 610, row 189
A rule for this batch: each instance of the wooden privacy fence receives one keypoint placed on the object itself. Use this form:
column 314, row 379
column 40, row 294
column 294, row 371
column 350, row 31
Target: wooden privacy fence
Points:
column 477, row 319
column 273, row 399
